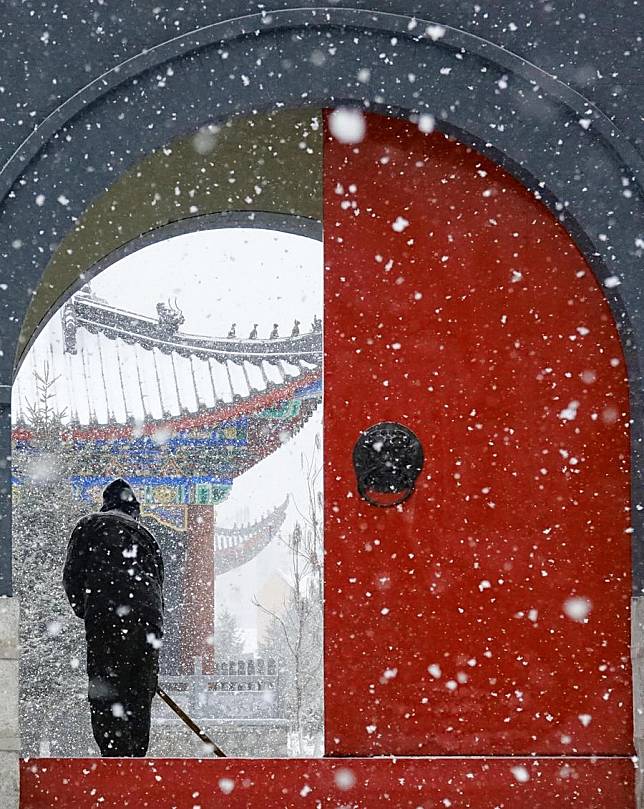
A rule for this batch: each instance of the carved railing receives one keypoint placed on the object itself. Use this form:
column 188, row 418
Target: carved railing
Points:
column 246, row 681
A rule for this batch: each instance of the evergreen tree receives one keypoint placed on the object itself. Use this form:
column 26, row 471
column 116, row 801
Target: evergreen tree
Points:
column 53, row 683
column 228, row 639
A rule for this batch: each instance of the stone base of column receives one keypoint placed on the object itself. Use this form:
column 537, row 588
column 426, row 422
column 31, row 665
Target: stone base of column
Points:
column 637, row 658
column 9, row 740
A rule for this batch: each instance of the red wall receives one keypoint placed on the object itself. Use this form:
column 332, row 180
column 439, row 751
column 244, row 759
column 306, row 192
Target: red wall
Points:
column 477, row 325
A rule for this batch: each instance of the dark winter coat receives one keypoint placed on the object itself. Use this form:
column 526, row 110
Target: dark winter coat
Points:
column 114, row 566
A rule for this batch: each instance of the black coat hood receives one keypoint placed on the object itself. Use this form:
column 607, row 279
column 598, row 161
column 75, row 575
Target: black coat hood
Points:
column 119, row 496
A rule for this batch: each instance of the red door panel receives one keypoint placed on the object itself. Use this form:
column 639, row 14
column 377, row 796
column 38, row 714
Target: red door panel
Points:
column 458, row 306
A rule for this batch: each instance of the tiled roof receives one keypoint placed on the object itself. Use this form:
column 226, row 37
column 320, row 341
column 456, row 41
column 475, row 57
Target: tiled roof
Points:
column 108, row 366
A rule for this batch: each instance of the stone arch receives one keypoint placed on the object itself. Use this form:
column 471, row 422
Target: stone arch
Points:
column 539, row 128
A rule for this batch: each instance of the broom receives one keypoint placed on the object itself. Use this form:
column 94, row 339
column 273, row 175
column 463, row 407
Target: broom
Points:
column 192, row 725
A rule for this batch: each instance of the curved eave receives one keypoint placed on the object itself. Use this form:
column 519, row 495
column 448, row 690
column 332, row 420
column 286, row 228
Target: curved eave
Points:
column 205, row 418
column 238, row 535
column 132, row 328
column 246, row 542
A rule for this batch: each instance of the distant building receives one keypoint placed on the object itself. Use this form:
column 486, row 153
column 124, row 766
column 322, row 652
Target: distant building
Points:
column 273, row 596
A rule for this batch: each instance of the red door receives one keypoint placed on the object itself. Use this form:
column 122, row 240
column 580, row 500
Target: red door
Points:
column 490, row 613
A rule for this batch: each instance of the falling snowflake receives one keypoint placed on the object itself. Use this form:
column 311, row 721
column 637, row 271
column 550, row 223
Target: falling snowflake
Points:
column 400, row 224
column 426, row 123
column 226, row 785
column 344, row 778
column 577, row 608
column 435, row 32
column 569, row 413
column 520, row 774
column 347, row 125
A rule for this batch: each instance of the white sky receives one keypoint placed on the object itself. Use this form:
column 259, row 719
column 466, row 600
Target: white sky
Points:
column 264, row 486
column 242, row 275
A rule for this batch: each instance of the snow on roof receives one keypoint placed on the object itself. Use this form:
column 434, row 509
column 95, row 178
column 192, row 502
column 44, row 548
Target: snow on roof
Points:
column 107, row 366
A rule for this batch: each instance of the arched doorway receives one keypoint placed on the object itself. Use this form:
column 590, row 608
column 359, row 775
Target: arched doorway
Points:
column 165, row 370
column 448, row 567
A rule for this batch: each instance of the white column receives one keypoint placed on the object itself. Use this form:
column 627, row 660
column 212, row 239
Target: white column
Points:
column 9, row 741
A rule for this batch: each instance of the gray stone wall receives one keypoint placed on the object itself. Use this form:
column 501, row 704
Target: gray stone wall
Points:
column 9, row 741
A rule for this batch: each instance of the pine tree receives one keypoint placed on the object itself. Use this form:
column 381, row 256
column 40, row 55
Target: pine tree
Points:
column 52, row 660
column 228, row 639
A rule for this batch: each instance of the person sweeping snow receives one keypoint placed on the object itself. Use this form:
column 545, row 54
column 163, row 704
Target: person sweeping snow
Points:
column 113, row 577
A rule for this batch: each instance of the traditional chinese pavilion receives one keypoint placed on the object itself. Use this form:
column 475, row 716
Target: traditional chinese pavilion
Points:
column 180, row 416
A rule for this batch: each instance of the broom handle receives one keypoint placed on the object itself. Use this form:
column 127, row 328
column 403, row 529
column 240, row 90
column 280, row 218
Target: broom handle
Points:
column 192, row 725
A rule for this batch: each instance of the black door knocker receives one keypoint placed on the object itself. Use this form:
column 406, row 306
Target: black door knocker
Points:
column 388, row 458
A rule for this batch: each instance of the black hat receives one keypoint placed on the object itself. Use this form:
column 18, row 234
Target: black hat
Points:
column 119, row 495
